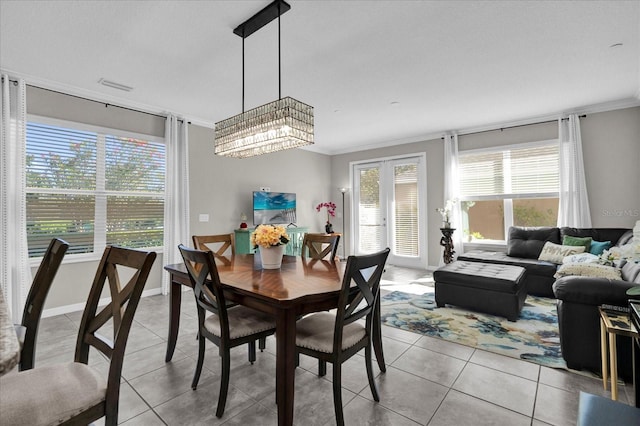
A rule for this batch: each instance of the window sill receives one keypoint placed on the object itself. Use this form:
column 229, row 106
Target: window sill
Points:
column 35, row 262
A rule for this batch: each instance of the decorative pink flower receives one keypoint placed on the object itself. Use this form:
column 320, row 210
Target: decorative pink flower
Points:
column 331, row 209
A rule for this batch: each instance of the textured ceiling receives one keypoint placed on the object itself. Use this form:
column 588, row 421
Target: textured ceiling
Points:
column 377, row 72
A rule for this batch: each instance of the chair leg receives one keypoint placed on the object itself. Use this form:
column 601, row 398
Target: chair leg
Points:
column 322, row 368
column 252, row 352
column 224, row 382
column 372, row 383
column 377, row 338
column 111, row 420
column 337, row 393
column 111, row 414
column 262, row 344
column 196, row 376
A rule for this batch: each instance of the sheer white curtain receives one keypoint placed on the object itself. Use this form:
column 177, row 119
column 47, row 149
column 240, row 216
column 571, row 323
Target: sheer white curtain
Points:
column 452, row 189
column 14, row 256
column 574, row 202
column 176, row 204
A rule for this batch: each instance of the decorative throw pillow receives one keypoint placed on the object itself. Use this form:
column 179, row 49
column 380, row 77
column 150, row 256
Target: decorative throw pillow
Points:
column 555, row 252
column 597, row 247
column 588, row 270
column 581, row 258
column 569, row 240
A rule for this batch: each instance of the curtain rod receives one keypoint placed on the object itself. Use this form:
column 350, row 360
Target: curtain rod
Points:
column 513, row 127
column 106, row 104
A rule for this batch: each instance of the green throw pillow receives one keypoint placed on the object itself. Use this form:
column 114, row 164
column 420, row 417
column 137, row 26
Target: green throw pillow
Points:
column 597, row 247
column 568, row 240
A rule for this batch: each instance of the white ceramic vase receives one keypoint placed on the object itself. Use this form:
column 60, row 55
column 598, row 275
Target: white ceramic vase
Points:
column 271, row 256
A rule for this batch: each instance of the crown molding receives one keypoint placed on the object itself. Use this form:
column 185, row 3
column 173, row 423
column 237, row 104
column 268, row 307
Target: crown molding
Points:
column 588, row 109
column 46, row 84
column 117, row 101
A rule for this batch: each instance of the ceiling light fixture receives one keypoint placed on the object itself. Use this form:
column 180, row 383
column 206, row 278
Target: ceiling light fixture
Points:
column 276, row 126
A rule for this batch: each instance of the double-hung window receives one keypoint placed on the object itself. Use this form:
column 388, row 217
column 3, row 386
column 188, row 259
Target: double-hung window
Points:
column 92, row 187
column 508, row 186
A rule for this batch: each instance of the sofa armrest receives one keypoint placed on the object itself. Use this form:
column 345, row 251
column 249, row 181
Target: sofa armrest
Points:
column 592, row 291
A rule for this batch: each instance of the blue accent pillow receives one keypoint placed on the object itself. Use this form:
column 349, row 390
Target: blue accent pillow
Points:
column 597, row 247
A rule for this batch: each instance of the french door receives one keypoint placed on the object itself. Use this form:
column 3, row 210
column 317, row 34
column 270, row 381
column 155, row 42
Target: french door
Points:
column 388, row 209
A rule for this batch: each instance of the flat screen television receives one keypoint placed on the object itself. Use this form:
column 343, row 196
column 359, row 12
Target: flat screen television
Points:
column 274, row 207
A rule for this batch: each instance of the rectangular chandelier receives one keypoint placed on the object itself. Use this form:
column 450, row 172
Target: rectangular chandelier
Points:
column 276, row 126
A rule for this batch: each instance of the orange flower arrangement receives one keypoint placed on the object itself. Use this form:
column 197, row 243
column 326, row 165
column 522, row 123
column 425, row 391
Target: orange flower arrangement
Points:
column 269, row 235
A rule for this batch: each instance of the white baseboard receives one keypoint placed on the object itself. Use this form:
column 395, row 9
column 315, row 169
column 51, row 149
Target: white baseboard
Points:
column 80, row 306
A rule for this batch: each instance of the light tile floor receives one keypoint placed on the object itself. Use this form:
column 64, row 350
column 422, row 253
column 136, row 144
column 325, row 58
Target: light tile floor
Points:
column 428, row 381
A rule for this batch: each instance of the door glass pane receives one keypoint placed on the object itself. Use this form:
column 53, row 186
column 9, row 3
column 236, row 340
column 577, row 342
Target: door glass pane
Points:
column 370, row 219
column 484, row 220
column 406, row 232
column 535, row 212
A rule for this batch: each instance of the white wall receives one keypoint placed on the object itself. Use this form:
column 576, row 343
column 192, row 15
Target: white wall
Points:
column 612, row 161
column 222, row 187
column 611, row 147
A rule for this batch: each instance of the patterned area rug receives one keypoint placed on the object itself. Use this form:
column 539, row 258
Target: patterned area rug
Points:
column 534, row 337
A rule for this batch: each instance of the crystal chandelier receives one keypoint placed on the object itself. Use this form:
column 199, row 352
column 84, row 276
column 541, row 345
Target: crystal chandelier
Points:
column 276, row 126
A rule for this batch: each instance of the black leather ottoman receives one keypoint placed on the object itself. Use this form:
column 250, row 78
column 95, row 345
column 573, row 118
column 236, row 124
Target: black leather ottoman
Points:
column 485, row 287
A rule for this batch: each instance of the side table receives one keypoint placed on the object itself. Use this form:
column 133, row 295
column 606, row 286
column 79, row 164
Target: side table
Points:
column 447, row 243
column 613, row 323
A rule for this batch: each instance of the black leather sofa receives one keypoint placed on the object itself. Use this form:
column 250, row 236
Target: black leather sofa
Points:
column 578, row 296
column 523, row 249
column 579, row 320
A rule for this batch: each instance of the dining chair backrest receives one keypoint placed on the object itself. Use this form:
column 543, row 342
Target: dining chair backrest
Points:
column 319, row 246
column 116, row 262
column 219, row 245
column 205, row 280
column 360, row 292
column 36, row 298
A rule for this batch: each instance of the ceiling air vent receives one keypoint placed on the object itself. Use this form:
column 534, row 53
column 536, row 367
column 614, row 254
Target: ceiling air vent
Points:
column 115, row 85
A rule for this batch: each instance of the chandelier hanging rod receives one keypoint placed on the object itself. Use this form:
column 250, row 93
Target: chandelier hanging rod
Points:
column 262, row 18
column 270, row 12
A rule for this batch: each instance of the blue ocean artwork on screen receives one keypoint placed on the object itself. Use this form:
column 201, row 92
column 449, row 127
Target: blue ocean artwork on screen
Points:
column 274, row 207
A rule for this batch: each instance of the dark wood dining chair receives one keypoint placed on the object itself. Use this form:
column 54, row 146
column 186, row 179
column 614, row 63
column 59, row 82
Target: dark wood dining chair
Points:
column 319, row 246
column 27, row 330
column 219, row 245
column 222, row 246
column 336, row 337
column 74, row 393
column 226, row 328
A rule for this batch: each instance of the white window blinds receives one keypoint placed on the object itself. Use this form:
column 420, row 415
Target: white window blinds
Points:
column 405, row 183
column 510, row 173
column 93, row 188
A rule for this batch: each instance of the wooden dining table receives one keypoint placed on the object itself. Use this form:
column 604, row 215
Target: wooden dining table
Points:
column 299, row 287
column 9, row 345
